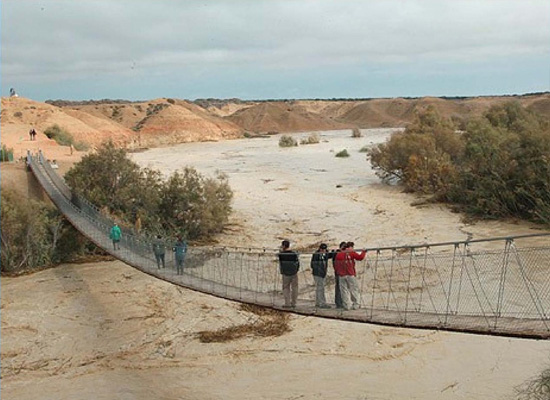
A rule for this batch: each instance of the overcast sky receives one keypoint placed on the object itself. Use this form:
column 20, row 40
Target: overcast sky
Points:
column 261, row 49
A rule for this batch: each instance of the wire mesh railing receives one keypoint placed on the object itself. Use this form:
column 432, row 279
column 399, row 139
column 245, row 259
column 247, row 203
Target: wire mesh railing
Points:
column 497, row 286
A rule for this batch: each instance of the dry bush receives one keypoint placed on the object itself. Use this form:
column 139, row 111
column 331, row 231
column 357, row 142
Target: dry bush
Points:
column 269, row 323
column 536, row 389
column 287, row 141
column 356, row 133
column 311, row 139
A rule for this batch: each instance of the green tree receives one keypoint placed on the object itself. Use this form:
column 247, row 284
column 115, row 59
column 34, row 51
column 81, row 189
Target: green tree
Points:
column 113, row 182
column 25, row 237
column 421, row 157
column 185, row 203
column 499, row 166
column 193, row 205
column 505, row 170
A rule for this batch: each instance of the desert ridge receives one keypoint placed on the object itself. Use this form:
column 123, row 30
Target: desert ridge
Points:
column 166, row 121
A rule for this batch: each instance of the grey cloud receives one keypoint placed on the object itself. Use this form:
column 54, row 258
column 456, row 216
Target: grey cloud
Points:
column 51, row 39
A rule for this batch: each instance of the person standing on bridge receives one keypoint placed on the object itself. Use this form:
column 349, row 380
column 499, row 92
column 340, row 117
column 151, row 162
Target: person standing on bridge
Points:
column 337, row 293
column 319, row 266
column 115, row 236
column 180, row 249
column 344, row 267
column 289, row 265
column 159, row 250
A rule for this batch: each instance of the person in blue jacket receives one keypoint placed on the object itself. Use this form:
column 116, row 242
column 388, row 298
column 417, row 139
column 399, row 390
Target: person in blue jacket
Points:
column 180, row 248
column 115, row 236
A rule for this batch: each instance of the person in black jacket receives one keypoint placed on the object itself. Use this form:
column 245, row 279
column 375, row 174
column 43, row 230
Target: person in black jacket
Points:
column 319, row 266
column 289, row 264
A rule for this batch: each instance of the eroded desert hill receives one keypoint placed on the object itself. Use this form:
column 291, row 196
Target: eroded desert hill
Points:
column 161, row 121
column 165, row 121
column 19, row 115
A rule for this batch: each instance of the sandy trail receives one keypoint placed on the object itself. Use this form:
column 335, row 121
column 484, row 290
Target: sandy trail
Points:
column 107, row 331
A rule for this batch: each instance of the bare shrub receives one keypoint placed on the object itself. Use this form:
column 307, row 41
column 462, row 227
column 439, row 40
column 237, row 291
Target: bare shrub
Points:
column 287, row 141
column 356, row 133
column 537, row 388
column 311, row 139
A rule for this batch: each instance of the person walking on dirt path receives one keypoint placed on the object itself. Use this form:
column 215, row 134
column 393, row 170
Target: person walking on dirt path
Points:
column 180, row 249
column 344, row 265
column 115, row 236
column 289, row 265
column 32, row 134
column 319, row 266
column 159, row 250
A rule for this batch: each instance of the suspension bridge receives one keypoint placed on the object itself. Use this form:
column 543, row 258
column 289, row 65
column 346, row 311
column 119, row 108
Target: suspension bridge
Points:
column 498, row 286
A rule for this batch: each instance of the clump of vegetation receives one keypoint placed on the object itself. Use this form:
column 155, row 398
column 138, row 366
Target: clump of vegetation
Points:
column 60, row 135
column 342, row 153
column 266, row 322
column 499, row 166
column 287, row 141
column 18, row 114
column 365, row 149
column 356, row 133
column 64, row 137
column 537, row 388
column 194, row 204
column 116, row 114
column 185, row 203
column 152, row 109
column 6, row 154
column 311, row 139
column 171, row 101
column 34, row 235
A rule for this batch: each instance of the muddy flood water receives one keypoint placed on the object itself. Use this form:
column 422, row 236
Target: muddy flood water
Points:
column 107, row 331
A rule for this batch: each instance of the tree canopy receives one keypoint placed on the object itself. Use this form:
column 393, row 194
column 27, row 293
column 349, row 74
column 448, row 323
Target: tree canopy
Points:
column 186, row 203
column 498, row 166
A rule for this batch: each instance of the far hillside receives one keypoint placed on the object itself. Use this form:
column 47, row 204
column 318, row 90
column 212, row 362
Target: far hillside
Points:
column 233, row 117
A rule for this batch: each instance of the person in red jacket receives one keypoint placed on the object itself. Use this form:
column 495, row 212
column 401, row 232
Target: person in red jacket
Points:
column 344, row 267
